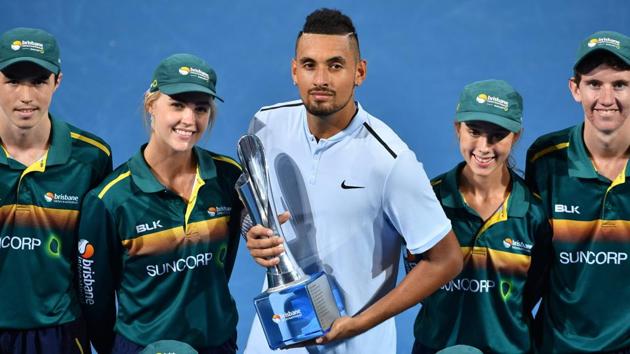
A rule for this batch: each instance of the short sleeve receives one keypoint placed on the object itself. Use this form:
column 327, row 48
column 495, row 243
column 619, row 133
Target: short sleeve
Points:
column 411, row 205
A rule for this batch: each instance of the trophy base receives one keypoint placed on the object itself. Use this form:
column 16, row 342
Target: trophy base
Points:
column 299, row 313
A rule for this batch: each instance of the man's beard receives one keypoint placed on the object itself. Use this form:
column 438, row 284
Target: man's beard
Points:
column 325, row 110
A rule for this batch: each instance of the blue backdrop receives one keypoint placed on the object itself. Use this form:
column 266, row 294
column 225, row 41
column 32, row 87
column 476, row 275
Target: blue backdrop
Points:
column 420, row 55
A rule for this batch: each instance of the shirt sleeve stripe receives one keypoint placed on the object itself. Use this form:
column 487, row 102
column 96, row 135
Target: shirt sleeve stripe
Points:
column 91, row 142
column 112, row 183
column 548, row 150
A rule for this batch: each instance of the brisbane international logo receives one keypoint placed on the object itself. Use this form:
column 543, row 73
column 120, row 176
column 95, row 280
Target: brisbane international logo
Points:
column 184, row 70
column 289, row 315
column 61, row 198
column 16, row 45
column 482, row 98
column 30, row 45
column 86, row 250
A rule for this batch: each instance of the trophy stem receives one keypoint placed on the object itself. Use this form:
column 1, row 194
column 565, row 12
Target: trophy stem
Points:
column 254, row 190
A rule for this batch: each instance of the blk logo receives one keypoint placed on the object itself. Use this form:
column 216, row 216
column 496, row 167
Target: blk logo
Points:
column 569, row 209
column 148, row 227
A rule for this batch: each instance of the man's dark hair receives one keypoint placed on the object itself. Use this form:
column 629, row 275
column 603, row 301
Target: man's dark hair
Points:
column 595, row 59
column 330, row 21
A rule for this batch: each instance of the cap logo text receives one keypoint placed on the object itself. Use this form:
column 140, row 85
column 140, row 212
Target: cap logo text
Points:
column 604, row 41
column 198, row 73
column 496, row 102
column 30, row 45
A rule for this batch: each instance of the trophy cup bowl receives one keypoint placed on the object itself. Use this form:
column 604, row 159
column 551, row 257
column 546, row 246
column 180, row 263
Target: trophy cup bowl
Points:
column 296, row 307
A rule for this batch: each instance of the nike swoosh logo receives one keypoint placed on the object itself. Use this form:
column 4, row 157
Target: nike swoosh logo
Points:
column 345, row 186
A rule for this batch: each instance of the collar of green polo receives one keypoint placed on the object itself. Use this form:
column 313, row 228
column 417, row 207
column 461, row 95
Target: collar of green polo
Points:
column 4, row 154
column 60, row 146
column 518, row 202
column 580, row 164
column 60, row 143
column 145, row 179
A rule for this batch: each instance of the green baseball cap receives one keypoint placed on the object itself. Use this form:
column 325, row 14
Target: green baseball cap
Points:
column 168, row 346
column 493, row 101
column 184, row 73
column 613, row 42
column 32, row 45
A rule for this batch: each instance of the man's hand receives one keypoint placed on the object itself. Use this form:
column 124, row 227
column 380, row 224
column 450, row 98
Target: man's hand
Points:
column 263, row 245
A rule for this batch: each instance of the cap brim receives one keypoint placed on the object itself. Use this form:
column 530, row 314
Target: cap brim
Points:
column 173, row 89
column 503, row 122
column 43, row 63
column 617, row 54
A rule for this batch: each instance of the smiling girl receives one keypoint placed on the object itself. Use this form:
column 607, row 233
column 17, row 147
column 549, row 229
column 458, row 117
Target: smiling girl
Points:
column 162, row 231
column 501, row 227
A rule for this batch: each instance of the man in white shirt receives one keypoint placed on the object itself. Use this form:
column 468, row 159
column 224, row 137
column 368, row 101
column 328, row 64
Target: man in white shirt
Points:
column 353, row 188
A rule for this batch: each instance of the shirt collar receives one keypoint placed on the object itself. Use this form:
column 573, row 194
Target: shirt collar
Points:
column 580, row 164
column 518, row 203
column 360, row 116
column 145, row 179
column 60, row 143
column 60, row 147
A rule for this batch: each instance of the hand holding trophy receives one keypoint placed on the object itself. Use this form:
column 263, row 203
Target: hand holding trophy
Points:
column 296, row 307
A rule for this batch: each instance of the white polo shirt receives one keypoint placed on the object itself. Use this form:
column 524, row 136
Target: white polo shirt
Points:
column 351, row 196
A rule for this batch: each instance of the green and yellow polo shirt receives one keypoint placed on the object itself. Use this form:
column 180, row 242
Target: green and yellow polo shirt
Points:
column 585, row 306
column 39, row 209
column 169, row 261
column 488, row 305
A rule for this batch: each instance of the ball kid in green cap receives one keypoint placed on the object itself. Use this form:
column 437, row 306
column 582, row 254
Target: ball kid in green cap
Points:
column 46, row 168
column 583, row 176
column 165, row 228
column 502, row 230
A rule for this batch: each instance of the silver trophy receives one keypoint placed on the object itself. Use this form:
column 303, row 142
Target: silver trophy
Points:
column 295, row 307
column 254, row 190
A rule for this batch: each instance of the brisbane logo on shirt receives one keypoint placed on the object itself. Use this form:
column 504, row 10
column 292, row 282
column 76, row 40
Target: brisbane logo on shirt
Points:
column 216, row 211
column 86, row 272
column 517, row 245
column 86, row 250
column 52, row 197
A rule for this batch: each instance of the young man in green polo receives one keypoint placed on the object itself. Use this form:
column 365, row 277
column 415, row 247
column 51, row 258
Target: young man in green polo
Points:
column 46, row 167
column 582, row 174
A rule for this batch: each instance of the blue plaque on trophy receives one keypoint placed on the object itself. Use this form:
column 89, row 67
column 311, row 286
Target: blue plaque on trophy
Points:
column 296, row 307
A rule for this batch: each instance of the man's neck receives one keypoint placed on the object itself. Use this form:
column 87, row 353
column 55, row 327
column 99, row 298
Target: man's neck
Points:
column 26, row 145
column 603, row 145
column 609, row 151
column 324, row 127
